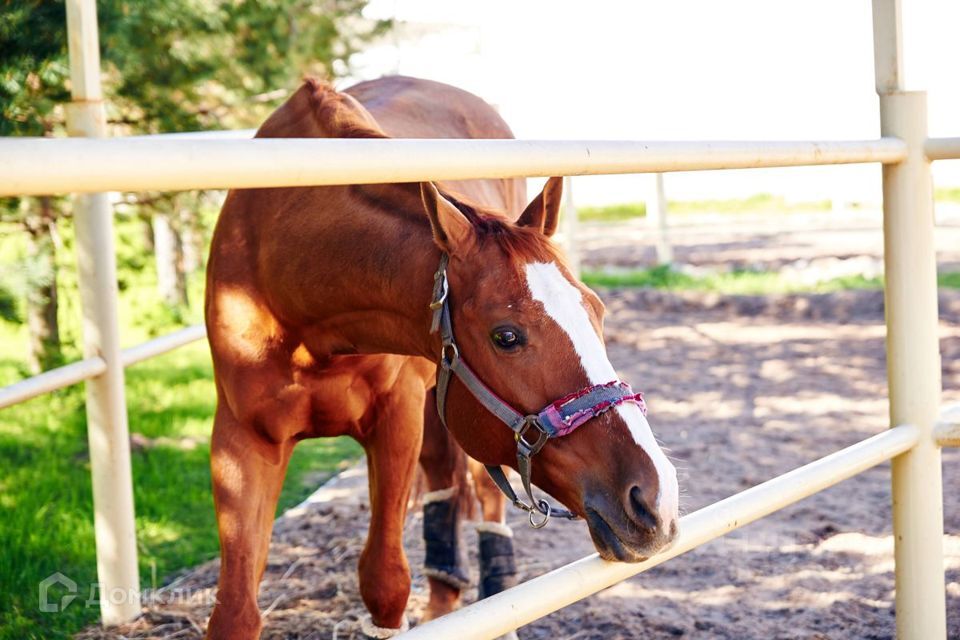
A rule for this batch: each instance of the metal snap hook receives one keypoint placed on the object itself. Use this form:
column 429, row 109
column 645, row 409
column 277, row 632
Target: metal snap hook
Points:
column 544, row 509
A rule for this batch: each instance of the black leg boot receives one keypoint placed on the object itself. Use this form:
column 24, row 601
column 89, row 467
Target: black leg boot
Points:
column 441, row 534
column 498, row 569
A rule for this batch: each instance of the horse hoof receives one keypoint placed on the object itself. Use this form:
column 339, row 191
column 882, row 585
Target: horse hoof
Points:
column 373, row 632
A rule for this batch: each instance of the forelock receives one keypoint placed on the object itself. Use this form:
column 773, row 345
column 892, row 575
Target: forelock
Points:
column 522, row 245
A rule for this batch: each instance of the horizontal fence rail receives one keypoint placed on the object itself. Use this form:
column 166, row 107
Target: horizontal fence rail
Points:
column 51, row 380
column 213, row 134
column 163, row 344
column 40, row 166
column 942, row 148
column 531, row 600
column 89, row 368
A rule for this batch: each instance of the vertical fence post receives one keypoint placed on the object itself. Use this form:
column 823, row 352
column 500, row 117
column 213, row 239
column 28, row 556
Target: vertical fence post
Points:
column 106, row 404
column 571, row 228
column 657, row 217
column 913, row 353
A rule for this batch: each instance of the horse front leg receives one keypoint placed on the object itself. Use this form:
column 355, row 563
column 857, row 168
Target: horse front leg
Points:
column 444, row 466
column 247, row 473
column 498, row 568
column 392, row 446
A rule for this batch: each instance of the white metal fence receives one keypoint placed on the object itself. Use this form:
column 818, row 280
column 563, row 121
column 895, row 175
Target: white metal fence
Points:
column 94, row 166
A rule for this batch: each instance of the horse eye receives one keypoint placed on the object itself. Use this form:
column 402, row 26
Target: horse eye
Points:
column 507, row 338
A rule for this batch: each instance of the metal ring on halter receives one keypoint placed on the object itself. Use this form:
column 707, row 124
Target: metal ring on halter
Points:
column 544, row 509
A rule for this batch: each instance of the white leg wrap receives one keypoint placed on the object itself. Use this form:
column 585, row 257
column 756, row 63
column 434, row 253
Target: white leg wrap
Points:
column 381, row 633
column 439, row 494
column 495, row 527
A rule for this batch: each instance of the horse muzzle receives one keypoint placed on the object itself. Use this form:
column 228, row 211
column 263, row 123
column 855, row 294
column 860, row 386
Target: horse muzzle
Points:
column 629, row 531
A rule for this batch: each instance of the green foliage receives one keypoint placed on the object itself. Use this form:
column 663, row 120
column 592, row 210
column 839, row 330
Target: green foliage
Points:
column 176, row 65
column 33, row 66
column 9, row 310
column 187, row 65
column 142, row 314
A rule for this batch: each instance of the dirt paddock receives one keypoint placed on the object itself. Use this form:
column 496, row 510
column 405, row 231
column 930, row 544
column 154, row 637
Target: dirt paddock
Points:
column 740, row 389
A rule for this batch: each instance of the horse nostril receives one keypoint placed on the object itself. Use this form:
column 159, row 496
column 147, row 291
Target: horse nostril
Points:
column 639, row 509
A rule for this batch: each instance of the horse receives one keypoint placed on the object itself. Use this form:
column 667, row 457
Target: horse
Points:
column 345, row 310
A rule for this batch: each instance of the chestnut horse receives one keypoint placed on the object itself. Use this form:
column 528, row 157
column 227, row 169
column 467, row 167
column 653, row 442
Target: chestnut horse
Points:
column 318, row 321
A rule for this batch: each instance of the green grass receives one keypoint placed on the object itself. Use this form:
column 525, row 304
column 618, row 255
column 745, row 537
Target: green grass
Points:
column 758, row 203
column 949, row 280
column 46, row 514
column 947, row 194
column 612, row 213
column 45, row 501
column 737, row 282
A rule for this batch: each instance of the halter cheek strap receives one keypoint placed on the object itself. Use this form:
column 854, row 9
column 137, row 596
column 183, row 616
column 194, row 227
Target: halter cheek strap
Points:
column 531, row 432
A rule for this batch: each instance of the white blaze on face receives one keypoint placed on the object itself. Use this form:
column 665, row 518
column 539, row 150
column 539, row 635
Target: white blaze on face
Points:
column 564, row 304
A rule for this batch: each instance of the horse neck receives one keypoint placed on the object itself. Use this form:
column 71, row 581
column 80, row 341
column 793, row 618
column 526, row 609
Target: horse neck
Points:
column 364, row 281
column 391, row 302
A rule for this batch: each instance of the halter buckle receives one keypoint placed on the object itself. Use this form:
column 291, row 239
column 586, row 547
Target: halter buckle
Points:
column 440, row 289
column 524, row 446
column 449, row 354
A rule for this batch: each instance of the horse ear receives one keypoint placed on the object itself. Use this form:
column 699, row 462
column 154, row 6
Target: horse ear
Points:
column 543, row 212
column 451, row 229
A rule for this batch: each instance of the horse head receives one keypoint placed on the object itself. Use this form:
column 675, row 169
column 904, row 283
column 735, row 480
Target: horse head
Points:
column 532, row 334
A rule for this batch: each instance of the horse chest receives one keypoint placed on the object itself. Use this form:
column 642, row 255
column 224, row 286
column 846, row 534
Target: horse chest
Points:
column 344, row 391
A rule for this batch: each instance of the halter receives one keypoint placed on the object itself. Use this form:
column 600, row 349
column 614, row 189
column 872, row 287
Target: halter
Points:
column 557, row 419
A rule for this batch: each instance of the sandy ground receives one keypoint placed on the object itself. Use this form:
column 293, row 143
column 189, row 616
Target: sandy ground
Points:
column 740, row 389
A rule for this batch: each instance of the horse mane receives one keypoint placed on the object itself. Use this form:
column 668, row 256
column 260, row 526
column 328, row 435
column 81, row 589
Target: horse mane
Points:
column 340, row 114
column 317, row 110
